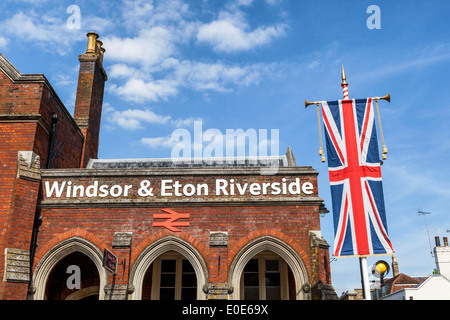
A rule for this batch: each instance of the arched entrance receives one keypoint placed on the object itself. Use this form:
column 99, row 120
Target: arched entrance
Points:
column 170, row 268
column 74, row 277
column 52, row 271
column 268, row 268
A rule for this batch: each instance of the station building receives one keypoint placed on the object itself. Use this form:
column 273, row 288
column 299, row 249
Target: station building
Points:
column 73, row 226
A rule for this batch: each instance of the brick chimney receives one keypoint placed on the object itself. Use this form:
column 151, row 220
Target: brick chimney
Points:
column 89, row 100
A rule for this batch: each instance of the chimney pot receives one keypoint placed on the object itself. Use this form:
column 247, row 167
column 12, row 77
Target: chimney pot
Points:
column 102, row 52
column 92, row 42
column 445, row 242
column 98, row 46
column 438, row 242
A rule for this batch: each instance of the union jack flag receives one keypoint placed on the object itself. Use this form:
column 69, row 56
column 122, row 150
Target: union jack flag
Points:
column 355, row 178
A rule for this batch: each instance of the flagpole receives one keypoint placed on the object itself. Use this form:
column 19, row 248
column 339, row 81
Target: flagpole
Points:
column 362, row 259
column 365, row 278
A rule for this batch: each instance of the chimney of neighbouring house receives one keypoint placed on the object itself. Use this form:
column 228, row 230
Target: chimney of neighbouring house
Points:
column 442, row 257
column 395, row 270
column 89, row 99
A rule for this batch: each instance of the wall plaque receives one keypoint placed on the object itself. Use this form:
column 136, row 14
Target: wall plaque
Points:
column 218, row 239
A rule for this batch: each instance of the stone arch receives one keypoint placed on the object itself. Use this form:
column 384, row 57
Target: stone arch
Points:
column 279, row 247
column 84, row 293
column 159, row 247
column 57, row 253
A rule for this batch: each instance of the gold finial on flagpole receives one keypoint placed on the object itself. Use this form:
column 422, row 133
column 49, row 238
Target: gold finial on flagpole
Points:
column 344, row 78
column 344, row 83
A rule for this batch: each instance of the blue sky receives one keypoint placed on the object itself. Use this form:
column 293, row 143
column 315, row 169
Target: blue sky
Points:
column 251, row 64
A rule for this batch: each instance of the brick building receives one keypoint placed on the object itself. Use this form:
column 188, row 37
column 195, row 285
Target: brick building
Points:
column 178, row 230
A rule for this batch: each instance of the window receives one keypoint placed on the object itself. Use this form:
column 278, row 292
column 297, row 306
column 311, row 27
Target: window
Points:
column 265, row 278
column 174, row 278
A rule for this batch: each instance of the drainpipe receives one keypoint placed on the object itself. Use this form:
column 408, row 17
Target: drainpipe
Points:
column 52, row 140
column 37, row 217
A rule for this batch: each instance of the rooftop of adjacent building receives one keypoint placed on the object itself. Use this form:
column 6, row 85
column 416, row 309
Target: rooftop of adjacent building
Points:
column 400, row 281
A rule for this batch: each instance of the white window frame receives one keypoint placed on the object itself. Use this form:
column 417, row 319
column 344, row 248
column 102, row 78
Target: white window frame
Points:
column 156, row 274
column 262, row 257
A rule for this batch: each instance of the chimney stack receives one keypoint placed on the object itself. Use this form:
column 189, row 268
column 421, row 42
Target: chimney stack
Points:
column 89, row 99
column 442, row 258
column 395, row 270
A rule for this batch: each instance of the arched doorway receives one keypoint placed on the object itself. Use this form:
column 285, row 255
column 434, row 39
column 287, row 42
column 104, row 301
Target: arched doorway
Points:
column 74, row 272
column 52, row 272
column 268, row 268
column 159, row 271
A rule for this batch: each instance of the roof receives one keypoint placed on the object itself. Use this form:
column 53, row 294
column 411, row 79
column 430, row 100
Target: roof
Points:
column 403, row 281
column 269, row 161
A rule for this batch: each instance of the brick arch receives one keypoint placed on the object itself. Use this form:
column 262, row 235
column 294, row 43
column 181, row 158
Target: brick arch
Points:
column 267, row 232
column 77, row 232
column 165, row 233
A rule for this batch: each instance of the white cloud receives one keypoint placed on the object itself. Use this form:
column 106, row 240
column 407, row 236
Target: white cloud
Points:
column 159, row 142
column 218, row 76
column 250, row 2
column 134, row 118
column 244, row 2
column 3, row 42
column 100, row 25
column 52, row 33
column 140, row 87
column 121, row 70
column 29, row 27
column 149, row 62
column 150, row 47
column 34, row 2
column 180, row 123
column 136, row 10
column 230, row 33
column 138, row 90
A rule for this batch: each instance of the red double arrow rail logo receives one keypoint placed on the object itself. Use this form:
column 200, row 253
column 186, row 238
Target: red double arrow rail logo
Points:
column 171, row 217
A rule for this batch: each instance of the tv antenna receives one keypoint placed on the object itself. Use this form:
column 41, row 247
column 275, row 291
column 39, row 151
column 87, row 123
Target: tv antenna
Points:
column 426, row 224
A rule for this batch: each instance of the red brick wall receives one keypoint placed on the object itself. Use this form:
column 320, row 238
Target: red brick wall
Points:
column 25, row 99
column 13, row 212
column 68, row 140
column 26, row 110
column 285, row 222
column 243, row 222
column 19, row 99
